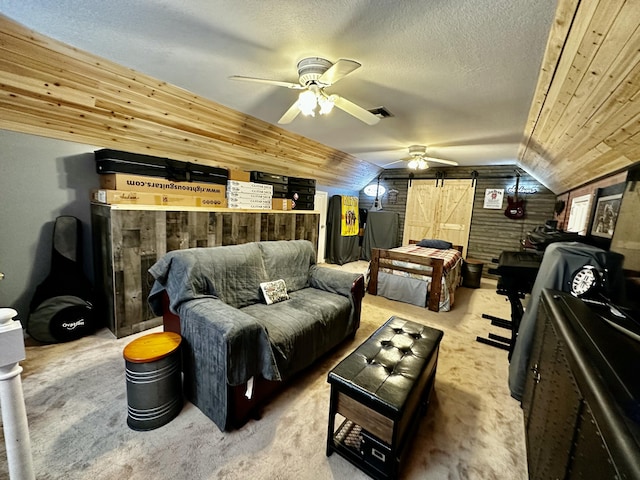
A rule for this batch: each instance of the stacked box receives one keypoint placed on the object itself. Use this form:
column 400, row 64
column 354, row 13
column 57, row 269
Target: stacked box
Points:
column 302, row 191
column 239, row 175
column 119, row 197
column 249, row 195
column 282, row 204
column 139, row 183
column 278, row 182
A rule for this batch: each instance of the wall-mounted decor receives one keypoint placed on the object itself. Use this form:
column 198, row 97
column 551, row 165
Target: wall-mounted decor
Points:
column 606, row 214
column 350, row 222
column 579, row 214
column 493, row 198
column 393, row 196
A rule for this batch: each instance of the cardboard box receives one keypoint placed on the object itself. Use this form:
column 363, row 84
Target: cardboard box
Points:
column 239, row 175
column 248, row 187
column 282, row 204
column 248, row 206
column 139, row 183
column 118, row 197
column 250, row 197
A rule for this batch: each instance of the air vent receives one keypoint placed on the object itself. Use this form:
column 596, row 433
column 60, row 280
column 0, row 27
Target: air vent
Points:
column 381, row 112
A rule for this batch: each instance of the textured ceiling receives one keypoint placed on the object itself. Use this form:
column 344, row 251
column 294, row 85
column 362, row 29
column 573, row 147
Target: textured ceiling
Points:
column 458, row 75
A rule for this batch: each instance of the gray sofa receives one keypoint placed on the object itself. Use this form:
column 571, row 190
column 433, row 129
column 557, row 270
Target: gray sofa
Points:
column 237, row 349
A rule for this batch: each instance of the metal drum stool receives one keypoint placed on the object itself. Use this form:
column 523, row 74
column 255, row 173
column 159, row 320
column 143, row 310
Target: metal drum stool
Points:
column 472, row 273
column 154, row 380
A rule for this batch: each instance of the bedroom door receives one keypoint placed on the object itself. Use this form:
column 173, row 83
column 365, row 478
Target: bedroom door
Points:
column 321, row 202
column 442, row 212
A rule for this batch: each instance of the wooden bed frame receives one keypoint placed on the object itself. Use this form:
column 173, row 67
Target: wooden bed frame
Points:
column 383, row 259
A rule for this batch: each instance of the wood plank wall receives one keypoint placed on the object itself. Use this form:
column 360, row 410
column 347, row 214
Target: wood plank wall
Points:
column 584, row 122
column 491, row 232
column 131, row 241
column 50, row 89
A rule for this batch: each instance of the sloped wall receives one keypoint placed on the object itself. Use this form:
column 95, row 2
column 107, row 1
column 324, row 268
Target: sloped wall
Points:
column 51, row 89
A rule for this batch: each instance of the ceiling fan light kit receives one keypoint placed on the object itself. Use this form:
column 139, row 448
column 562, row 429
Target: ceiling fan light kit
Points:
column 307, row 103
column 314, row 75
column 418, row 164
column 418, row 159
column 310, row 100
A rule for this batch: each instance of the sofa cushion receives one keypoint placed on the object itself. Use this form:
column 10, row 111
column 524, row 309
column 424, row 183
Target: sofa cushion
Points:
column 304, row 327
column 274, row 292
column 289, row 260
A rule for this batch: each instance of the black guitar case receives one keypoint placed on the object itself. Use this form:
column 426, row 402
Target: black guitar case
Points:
column 115, row 161
column 62, row 306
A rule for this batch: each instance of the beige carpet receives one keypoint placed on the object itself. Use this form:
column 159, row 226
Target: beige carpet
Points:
column 76, row 404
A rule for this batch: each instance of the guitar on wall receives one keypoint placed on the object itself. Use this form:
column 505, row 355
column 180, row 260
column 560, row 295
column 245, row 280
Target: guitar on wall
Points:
column 515, row 207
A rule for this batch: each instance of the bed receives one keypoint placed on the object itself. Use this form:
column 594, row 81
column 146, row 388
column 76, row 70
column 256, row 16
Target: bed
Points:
column 426, row 277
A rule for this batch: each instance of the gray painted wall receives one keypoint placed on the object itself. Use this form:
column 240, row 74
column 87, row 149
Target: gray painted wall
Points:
column 40, row 179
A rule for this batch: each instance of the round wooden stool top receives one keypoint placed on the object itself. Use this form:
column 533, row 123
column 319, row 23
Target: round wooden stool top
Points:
column 152, row 347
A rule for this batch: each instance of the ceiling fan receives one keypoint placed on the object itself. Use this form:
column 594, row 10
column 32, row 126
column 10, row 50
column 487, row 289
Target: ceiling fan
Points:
column 314, row 75
column 418, row 159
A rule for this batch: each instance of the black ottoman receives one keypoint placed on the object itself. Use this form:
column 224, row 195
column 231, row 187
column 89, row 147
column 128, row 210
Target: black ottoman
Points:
column 379, row 391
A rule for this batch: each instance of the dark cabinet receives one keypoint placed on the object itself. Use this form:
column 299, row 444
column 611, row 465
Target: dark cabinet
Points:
column 581, row 398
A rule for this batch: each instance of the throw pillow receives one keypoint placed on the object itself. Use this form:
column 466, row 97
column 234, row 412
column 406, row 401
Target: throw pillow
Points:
column 440, row 244
column 274, row 292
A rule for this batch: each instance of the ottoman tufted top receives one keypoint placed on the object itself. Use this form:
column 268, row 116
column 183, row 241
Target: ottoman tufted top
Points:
column 382, row 372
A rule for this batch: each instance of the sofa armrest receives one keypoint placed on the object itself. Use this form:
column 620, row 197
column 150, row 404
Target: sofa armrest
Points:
column 357, row 293
column 343, row 283
column 332, row 280
column 223, row 347
column 235, row 339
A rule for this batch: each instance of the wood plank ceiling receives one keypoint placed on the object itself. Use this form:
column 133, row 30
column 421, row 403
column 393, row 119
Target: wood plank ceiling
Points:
column 585, row 116
column 51, row 89
column 584, row 121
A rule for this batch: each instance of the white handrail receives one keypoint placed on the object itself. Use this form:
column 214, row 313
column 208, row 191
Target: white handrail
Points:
column 14, row 414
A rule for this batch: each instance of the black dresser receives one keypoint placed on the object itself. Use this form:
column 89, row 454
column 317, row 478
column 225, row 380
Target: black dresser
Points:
column 582, row 395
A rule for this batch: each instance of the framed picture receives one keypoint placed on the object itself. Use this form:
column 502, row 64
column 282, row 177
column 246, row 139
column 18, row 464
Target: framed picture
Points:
column 605, row 215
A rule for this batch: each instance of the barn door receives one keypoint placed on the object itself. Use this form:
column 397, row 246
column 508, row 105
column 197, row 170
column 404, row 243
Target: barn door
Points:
column 420, row 215
column 442, row 212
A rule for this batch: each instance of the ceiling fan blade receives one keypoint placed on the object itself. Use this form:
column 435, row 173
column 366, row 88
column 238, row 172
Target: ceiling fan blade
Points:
column 392, row 163
column 355, row 110
column 338, row 70
column 440, row 160
column 290, row 114
column 278, row 83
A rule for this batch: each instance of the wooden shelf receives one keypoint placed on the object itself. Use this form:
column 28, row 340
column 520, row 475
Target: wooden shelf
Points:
column 169, row 208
